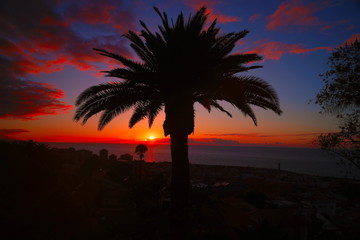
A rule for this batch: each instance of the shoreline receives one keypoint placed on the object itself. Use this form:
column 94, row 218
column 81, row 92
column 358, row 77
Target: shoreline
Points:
column 220, row 175
column 301, row 160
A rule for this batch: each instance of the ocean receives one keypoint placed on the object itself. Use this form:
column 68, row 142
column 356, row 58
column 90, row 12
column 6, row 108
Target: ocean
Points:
column 301, row 160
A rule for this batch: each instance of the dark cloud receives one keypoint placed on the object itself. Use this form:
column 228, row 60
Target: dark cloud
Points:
column 12, row 131
column 202, row 141
column 40, row 36
column 23, row 99
column 264, row 135
column 7, row 133
column 213, row 141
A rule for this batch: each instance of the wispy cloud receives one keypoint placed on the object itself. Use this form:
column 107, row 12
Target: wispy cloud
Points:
column 254, row 17
column 294, row 14
column 43, row 36
column 7, row 133
column 274, row 50
column 202, row 141
column 212, row 141
column 211, row 10
column 259, row 135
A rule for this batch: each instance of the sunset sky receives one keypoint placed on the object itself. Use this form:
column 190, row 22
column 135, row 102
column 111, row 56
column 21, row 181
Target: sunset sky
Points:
column 46, row 61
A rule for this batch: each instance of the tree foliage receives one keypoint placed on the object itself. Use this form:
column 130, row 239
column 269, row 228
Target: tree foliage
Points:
column 181, row 64
column 141, row 149
column 342, row 86
column 341, row 97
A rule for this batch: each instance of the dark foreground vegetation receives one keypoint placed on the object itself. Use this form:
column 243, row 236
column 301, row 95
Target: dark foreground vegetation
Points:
column 49, row 193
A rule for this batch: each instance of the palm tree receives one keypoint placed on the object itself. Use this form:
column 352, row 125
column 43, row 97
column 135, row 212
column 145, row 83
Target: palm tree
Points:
column 141, row 149
column 181, row 64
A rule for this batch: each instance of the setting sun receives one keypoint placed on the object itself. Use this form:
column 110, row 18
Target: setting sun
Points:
column 150, row 138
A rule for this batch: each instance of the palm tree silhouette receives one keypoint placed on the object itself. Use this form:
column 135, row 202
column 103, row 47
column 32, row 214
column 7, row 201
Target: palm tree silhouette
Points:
column 181, row 64
column 141, row 149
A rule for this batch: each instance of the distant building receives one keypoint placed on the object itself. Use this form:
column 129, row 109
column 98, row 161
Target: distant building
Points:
column 126, row 157
column 124, row 169
column 103, row 154
column 326, row 207
column 112, row 158
column 138, row 169
column 289, row 222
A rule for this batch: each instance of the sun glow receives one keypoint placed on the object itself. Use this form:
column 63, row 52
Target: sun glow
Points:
column 150, row 138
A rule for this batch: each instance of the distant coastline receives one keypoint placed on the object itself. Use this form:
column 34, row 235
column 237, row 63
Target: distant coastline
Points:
column 300, row 160
column 191, row 142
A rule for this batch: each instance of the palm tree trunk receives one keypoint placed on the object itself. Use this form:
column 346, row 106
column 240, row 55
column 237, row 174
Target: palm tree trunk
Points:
column 179, row 185
column 179, row 123
column 180, row 170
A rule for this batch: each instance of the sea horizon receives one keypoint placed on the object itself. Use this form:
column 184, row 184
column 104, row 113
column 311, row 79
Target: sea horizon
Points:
column 313, row 161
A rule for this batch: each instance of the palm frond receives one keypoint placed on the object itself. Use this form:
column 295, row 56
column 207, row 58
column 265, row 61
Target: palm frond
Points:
column 120, row 73
column 111, row 113
column 149, row 109
column 226, row 43
column 249, row 84
column 261, row 88
column 164, row 19
column 207, row 103
column 233, row 64
column 91, row 91
column 127, row 62
column 264, row 103
column 245, row 91
column 140, row 112
column 218, row 106
column 246, row 110
column 154, row 111
column 112, row 99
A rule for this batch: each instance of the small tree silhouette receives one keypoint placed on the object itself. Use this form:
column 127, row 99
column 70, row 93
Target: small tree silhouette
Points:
column 141, row 149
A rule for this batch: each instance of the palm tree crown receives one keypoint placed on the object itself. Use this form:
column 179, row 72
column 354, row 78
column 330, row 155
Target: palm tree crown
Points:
column 181, row 64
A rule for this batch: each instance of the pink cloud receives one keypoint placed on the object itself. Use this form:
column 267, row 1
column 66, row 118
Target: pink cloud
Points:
column 23, row 99
column 350, row 27
column 346, row 25
column 223, row 18
column 42, row 40
column 254, row 17
column 108, row 12
column 91, row 14
column 213, row 14
column 274, row 50
column 36, row 38
column 294, row 13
